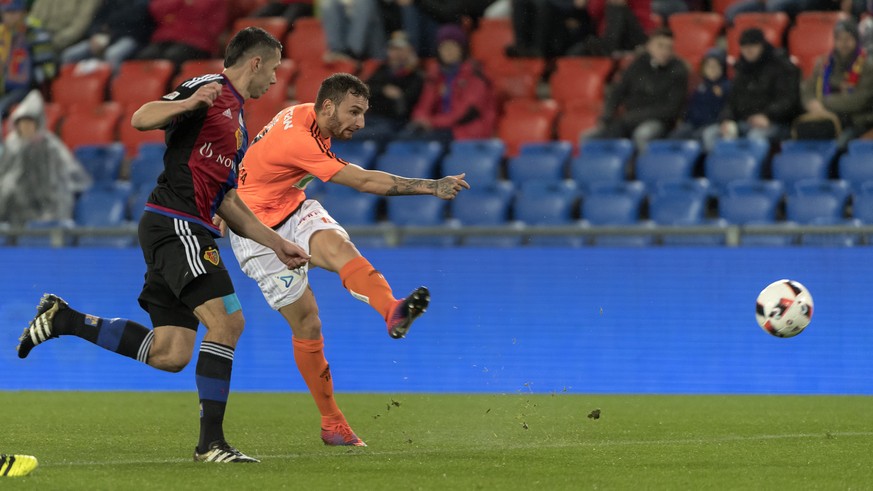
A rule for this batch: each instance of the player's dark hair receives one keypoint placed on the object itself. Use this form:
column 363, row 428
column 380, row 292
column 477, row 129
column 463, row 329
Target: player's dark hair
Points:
column 337, row 86
column 252, row 41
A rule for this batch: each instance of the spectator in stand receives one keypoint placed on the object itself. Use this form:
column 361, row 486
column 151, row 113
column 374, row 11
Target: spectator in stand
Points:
column 707, row 101
column 765, row 95
column 457, row 101
column 353, row 29
column 394, row 89
column 185, row 29
column 26, row 55
column 119, row 29
column 66, row 20
column 842, row 85
column 647, row 101
column 622, row 25
column 39, row 177
column 422, row 18
column 291, row 10
column 548, row 28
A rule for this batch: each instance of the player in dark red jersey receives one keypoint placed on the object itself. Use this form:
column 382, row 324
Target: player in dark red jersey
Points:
column 186, row 282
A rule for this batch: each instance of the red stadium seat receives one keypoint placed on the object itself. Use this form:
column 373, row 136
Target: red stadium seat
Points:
column 490, row 39
column 694, row 34
column 580, row 79
column 91, row 125
column 808, row 42
column 131, row 137
column 575, row 120
column 772, row 24
column 141, row 81
column 720, row 6
column 81, row 84
column 311, row 74
column 243, row 8
column 306, row 41
column 259, row 113
column 526, row 121
column 514, row 78
column 276, row 26
column 828, row 18
column 195, row 68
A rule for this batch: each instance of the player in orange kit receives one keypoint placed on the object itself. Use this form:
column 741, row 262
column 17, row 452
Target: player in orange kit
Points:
column 291, row 151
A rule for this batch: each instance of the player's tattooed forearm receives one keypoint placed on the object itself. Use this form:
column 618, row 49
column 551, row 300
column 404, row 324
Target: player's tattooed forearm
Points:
column 405, row 186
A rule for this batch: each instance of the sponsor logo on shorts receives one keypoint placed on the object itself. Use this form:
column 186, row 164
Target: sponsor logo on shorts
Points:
column 211, row 255
column 286, row 279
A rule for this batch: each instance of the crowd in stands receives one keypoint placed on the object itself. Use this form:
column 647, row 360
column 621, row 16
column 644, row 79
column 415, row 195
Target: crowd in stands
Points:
column 525, row 72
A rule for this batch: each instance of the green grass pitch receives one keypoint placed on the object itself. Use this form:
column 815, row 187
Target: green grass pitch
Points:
column 120, row 440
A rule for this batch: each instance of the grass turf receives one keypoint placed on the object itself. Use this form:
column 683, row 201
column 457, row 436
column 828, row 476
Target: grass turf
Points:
column 119, row 440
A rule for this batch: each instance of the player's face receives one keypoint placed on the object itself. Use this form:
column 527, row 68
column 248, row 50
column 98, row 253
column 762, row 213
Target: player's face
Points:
column 264, row 75
column 347, row 117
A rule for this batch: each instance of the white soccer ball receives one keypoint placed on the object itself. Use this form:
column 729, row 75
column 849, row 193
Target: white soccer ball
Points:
column 784, row 308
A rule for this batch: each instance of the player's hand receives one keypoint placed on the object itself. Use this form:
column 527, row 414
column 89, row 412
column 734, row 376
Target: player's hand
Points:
column 205, row 95
column 292, row 255
column 448, row 187
column 221, row 224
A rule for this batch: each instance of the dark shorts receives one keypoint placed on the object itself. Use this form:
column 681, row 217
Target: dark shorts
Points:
column 183, row 270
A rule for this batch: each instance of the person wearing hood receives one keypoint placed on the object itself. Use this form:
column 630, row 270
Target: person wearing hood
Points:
column 842, row 84
column 457, row 101
column 765, row 95
column 647, row 101
column 707, row 101
column 39, row 177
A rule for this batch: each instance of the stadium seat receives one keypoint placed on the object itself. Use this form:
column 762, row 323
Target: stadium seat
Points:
column 539, row 161
column 152, row 150
column 652, row 167
column 62, row 238
column 690, row 149
column 590, row 169
column 789, row 235
column 615, row 204
column 144, row 172
column 311, row 73
column 358, row 152
column 103, row 208
column 826, row 148
column 132, row 138
column 137, row 203
column 795, row 166
column 750, row 205
column 774, row 189
column 420, row 211
column 514, row 78
column 812, row 199
column 575, row 120
column 694, row 33
column 430, row 149
column 479, row 159
column 526, row 121
column 580, row 79
column 492, row 147
column 491, row 38
column 856, row 169
column 90, row 125
column 862, row 205
column 82, row 84
column 416, row 166
column 720, row 6
column 826, row 18
column 721, row 169
column 482, row 208
column 306, row 41
column 809, row 42
column 683, row 202
column 540, row 203
column 846, row 239
column 141, row 81
column 276, row 26
column 352, row 209
column 772, row 24
column 103, row 162
column 757, row 148
column 860, row 147
column 258, row 115
column 622, row 147
column 196, row 68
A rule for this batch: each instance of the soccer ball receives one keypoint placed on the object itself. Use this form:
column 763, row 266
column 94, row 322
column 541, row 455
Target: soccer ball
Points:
column 784, row 308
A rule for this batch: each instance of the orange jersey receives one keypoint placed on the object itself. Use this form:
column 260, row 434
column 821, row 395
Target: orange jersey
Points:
column 285, row 156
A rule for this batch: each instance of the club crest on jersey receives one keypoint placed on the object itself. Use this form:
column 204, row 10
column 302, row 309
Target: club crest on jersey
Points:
column 211, row 255
column 239, row 138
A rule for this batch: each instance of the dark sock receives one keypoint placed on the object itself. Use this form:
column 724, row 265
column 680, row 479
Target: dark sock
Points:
column 121, row 336
column 214, row 365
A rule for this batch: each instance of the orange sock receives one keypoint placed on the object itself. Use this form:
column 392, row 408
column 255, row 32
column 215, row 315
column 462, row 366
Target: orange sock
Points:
column 368, row 285
column 309, row 355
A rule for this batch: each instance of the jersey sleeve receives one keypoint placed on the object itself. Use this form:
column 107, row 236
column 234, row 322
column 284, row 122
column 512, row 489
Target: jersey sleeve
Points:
column 187, row 88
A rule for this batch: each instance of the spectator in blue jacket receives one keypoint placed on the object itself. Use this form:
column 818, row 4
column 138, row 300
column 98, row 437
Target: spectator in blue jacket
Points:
column 707, row 101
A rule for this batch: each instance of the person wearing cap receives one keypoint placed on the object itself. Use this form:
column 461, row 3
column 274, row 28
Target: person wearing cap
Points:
column 842, row 83
column 26, row 54
column 765, row 95
column 394, row 89
column 457, row 102
column 647, row 101
column 707, row 100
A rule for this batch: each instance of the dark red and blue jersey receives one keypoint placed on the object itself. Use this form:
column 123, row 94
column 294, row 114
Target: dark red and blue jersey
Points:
column 204, row 149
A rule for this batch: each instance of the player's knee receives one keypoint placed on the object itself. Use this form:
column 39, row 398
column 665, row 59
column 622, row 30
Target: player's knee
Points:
column 310, row 326
column 233, row 326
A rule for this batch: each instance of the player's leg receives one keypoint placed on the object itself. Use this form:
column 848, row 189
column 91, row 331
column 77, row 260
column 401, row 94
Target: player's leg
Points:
column 332, row 250
column 302, row 316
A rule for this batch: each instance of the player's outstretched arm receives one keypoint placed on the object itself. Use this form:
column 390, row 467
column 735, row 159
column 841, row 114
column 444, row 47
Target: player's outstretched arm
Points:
column 385, row 184
column 239, row 218
column 158, row 114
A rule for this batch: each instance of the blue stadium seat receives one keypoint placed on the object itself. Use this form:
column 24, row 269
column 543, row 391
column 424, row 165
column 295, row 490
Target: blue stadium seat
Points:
column 615, row 204
column 774, row 189
column 137, row 204
column 690, row 149
column 826, row 148
column 64, row 226
column 620, row 147
column 151, row 150
column 816, row 199
column 836, row 187
column 862, row 206
column 654, row 167
column 683, row 203
column 540, row 162
column 758, row 148
column 540, row 203
column 420, row 211
column 721, row 169
column 856, row 169
column 833, row 239
column 861, row 147
column 103, row 208
column 352, row 209
column 742, row 209
column 492, row 147
column 590, row 168
column 144, row 172
column 432, row 151
column 481, row 170
column 103, row 162
column 797, row 165
column 359, row 152
column 560, row 150
column 484, row 208
column 789, row 237
column 407, row 165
